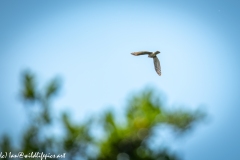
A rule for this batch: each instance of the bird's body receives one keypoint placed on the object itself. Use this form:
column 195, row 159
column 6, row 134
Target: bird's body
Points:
column 151, row 55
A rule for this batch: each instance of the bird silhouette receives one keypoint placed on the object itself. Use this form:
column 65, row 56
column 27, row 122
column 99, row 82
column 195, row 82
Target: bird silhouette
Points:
column 151, row 55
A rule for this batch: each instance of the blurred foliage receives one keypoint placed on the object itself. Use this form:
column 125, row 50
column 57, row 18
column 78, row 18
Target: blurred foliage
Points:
column 127, row 140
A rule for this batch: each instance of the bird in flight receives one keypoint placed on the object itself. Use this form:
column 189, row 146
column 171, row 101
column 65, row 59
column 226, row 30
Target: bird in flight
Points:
column 151, row 55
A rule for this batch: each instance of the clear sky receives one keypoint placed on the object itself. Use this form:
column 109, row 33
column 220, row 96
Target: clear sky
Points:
column 88, row 44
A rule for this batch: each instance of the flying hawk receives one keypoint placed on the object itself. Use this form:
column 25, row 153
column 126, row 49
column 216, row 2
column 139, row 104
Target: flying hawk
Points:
column 151, row 55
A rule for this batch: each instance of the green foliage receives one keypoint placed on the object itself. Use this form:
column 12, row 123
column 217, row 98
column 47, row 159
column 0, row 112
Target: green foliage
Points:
column 144, row 113
column 77, row 138
column 122, row 141
column 5, row 146
column 28, row 91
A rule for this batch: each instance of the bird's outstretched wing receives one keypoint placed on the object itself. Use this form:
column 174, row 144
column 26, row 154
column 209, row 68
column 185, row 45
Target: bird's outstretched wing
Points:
column 140, row 53
column 157, row 65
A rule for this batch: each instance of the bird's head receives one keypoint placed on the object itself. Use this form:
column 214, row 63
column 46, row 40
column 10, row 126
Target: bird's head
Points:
column 157, row 52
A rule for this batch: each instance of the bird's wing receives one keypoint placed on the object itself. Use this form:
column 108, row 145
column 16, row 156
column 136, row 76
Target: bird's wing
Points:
column 157, row 65
column 140, row 53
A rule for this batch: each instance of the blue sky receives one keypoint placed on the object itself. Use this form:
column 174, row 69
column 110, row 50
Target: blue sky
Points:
column 88, row 44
